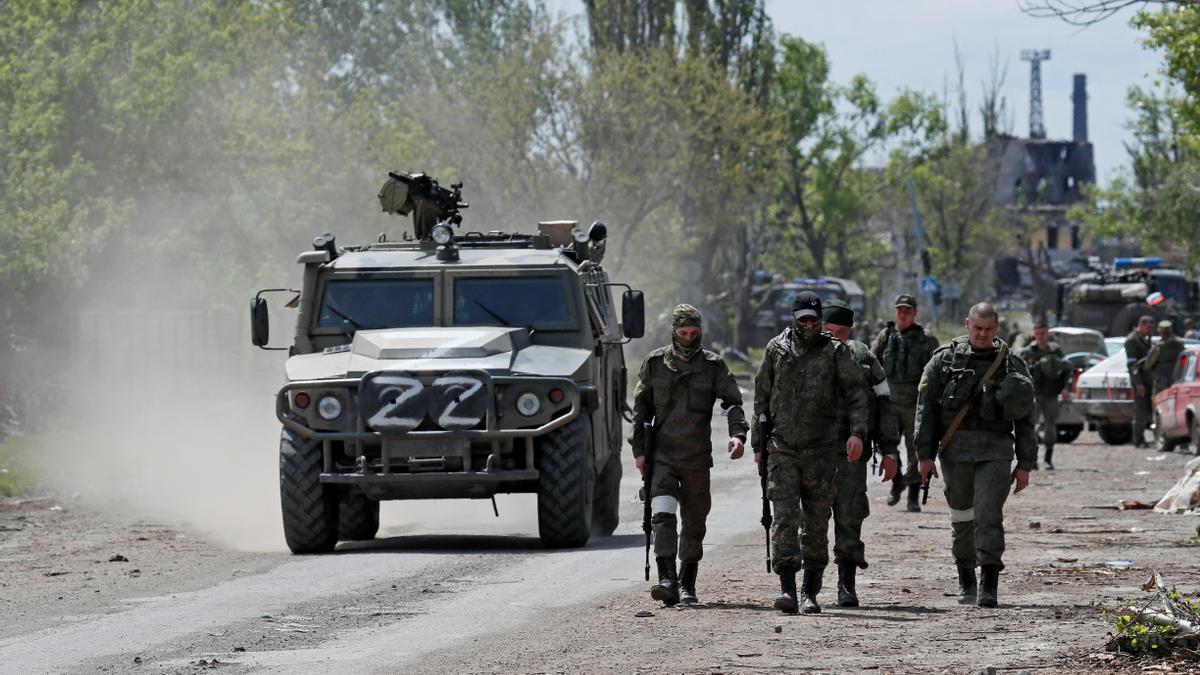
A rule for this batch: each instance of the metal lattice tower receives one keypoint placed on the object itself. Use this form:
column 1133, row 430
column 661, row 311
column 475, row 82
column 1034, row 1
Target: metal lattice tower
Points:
column 1037, row 127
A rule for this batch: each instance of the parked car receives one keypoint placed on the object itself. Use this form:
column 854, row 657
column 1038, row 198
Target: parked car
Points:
column 1104, row 396
column 1070, row 422
column 1074, row 340
column 1176, row 422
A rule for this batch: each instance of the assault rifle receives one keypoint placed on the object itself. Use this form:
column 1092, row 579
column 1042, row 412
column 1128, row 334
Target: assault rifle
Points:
column 647, row 474
column 764, row 426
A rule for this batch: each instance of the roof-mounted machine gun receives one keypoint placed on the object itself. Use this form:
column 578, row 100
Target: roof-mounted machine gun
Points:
column 429, row 203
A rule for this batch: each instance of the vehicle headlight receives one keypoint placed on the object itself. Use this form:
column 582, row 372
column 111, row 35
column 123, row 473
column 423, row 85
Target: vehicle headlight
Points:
column 329, row 408
column 528, row 404
column 442, row 234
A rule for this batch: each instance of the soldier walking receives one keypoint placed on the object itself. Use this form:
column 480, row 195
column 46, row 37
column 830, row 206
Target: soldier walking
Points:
column 1164, row 356
column 805, row 378
column 974, row 412
column 1051, row 374
column 1137, row 352
column 850, row 504
column 677, row 387
column 903, row 347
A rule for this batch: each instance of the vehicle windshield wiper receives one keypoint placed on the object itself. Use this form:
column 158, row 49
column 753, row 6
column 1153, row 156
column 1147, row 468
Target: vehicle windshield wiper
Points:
column 343, row 315
column 490, row 312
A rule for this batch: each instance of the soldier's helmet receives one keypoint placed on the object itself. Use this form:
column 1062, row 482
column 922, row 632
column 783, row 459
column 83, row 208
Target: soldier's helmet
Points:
column 1015, row 394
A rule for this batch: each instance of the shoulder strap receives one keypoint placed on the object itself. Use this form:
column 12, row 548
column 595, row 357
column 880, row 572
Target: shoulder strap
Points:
column 962, row 412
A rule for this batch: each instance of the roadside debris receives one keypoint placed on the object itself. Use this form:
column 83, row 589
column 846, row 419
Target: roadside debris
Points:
column 1184, row 497
column 1168, row 623
column 1133, row 505
column 641, row 614
column 118, row 558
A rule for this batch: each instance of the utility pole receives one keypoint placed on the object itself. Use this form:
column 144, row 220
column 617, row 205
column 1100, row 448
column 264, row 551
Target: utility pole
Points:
column 1037, row 127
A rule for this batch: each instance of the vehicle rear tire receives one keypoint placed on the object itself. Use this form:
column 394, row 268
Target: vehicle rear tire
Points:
column 358, row 517
column 1116, row 434
column 1068, row 434
column 310, row 508
column 606, row 513
column 566, row 480
column 1161, row 442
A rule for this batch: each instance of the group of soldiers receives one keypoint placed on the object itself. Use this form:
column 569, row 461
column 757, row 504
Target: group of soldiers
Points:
column 1151, row 367
column 824, row 405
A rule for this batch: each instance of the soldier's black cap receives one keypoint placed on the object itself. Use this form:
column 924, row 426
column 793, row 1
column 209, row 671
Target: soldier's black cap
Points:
column 837, row 312
column 806, row 303
column 906, row 300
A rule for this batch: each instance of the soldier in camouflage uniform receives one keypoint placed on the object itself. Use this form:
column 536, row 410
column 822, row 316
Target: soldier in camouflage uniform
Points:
column 1137, row 352
column 1164, row 356
column 850, row 504
column 805, row 378
column 677, row 387
column 903, row 347
column 976, row 448
column 1051, row 374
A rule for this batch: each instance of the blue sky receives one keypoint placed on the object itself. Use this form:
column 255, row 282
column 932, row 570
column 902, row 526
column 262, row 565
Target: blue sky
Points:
column 910, row 43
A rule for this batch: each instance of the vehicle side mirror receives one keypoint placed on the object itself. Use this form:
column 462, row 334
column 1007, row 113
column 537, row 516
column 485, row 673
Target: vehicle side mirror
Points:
column 260, row 323
column 633, row 314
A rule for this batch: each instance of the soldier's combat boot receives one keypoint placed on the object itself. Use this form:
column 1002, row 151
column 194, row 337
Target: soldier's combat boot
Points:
column 786, row 602
column 897, row 488
column 808, row 592
column 687, row 582
column 914, row 498
column 1049, row 454
column 967, row 585
column 989, row 580
column 666, row 590
column 846, row 595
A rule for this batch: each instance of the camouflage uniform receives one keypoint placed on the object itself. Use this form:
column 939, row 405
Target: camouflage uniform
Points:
column 850, row 505
column 904, row 355
column 1137, row 352
column 801, row 389
column 1163, row 358
column 1051, row 374
column 679, row 394
column 977, row 464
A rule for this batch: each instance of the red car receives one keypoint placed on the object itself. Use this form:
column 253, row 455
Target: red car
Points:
column 1177, row 408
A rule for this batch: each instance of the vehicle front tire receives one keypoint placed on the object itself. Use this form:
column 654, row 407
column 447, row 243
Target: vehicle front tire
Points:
column 1161, row 442
column 606, row 514
column 1068, row 434
column 310, row 508
column 358, row 517
column 566, row 480
column 1116, row 434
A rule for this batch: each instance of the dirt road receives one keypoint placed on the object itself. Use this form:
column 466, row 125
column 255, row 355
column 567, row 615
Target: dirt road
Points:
column 89, row 586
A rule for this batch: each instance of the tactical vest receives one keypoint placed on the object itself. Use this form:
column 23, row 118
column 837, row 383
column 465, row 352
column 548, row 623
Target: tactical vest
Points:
column 904, row 354
column 961, row 377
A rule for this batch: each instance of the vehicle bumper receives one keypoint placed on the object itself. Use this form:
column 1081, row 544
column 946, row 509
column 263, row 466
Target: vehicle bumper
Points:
column 1108, row 412
column 449, row 485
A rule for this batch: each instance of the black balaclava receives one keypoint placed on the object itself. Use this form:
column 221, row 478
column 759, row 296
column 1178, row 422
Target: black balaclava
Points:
column 806, row 303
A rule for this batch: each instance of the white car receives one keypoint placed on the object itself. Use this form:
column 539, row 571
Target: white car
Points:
column 1104, row 396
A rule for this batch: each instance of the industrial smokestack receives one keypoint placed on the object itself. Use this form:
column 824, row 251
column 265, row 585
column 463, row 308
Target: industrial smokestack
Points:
column 1079, row 99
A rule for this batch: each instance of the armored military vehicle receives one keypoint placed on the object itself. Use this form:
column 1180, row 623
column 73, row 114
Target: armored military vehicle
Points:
column 1111, row 298
column 452, row 365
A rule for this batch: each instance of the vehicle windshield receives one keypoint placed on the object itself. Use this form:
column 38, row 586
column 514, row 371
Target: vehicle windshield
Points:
column 1173, row 287
column 363, row 304
column 516, row 301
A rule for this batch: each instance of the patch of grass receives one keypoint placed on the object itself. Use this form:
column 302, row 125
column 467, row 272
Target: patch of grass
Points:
column 16, row 464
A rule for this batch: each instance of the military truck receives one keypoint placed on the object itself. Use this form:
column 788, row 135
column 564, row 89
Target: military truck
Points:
column 452, row 366
column 1111, row 298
